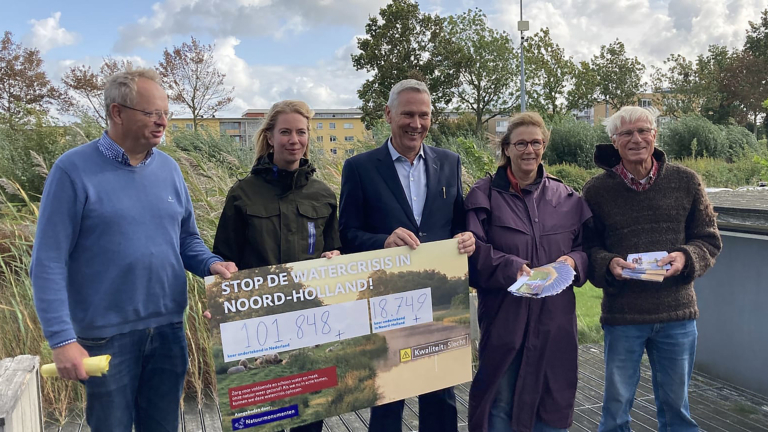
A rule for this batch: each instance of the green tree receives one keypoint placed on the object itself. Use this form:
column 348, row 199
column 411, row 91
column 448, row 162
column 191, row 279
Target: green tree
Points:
column 711, row 69
column 551, row 72
column 399, row 44
column 757, row 37
column 583, row 93
column 484, row 61
column 192, row 79
column 619, row 77
column 745, row 85
column 679, row 86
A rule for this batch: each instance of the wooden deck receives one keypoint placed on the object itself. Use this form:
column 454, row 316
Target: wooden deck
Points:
column 715, row 405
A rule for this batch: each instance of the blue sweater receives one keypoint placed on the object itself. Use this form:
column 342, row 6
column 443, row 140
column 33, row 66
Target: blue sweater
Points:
column 112, row 244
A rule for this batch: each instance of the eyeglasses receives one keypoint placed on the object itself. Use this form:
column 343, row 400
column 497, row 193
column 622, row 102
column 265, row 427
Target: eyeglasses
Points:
column 154, row 115
column 629, row 133
column 522, row 145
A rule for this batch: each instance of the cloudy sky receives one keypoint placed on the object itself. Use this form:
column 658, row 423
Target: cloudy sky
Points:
column 279, row 49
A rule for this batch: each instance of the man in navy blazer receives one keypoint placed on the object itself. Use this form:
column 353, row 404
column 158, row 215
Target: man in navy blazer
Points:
column 405, row 193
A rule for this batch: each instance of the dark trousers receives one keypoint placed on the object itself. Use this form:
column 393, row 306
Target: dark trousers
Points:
column 309, row 427
column 437, row 413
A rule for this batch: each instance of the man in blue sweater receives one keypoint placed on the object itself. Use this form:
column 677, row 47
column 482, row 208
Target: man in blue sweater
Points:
column 115, row 234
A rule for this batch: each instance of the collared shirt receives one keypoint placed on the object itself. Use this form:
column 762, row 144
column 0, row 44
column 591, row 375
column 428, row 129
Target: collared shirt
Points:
column 113, row 151
column 634, row 183
column 413, row 177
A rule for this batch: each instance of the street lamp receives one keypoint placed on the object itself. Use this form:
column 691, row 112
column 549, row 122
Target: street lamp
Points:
column 522, row 26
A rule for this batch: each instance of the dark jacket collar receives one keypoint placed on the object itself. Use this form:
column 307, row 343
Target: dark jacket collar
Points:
column 284, row 179
column 383, row 151
column 607, row 157
column 501, row 181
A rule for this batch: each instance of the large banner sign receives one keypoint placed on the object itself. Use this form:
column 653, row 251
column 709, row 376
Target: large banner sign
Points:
column 299, row 342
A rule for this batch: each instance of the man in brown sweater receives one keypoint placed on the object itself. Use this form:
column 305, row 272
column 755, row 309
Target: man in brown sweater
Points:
column 643, row 204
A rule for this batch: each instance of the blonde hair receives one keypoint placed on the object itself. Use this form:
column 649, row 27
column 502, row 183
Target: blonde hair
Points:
column 630, row 114
column 120, row 88
column 283, row 107
column 529, row 118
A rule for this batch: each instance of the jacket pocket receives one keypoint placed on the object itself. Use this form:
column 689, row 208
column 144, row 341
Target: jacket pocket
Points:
column 263, row 226
column 312, row 224
column 559, row 233
column 509, row 234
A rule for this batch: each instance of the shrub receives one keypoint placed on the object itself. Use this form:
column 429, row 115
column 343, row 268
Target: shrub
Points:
column 695, row 136
column 573, row 142
column 27, row 154
column 476, row 154
column 572, row 175
column 745, row 171
column 739, row 141
column 214, row 147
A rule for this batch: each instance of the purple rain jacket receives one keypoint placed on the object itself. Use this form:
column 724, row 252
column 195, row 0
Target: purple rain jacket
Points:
column 510, row 231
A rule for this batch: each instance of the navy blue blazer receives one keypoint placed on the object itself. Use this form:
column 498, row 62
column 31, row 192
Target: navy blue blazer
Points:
column 373, row 203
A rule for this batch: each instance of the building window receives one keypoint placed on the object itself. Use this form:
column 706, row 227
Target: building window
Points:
column 349, row 138
column 645, row 103
column 501, row 123
column 229, row 128
column 350, row 151
column 334, row 150
column 321, row 151
column 319, row 125
column 331, row 125
column 348, row 126
column 190, row 126
column 175, row 126
column 333, row 138
column 319, row 139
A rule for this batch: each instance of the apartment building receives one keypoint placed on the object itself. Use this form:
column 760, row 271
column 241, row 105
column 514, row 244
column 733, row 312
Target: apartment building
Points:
column 334, row 130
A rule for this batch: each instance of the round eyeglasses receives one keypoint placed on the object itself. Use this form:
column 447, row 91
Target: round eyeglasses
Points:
column 522, row 145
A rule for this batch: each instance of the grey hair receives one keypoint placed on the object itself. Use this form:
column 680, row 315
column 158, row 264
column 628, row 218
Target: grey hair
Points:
column 630, row 114
column 120, row 88
column 407, row 85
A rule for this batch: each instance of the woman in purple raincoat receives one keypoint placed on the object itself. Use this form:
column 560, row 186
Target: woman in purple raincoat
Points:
column 523, row 218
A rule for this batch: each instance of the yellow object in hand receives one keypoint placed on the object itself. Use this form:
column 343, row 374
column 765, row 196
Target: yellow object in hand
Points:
column 94, row 366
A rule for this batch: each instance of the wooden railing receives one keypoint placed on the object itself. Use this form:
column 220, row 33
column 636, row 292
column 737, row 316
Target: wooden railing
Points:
column 20, row 403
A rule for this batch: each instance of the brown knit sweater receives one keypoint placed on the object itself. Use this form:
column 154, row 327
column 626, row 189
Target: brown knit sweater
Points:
column 673, row 215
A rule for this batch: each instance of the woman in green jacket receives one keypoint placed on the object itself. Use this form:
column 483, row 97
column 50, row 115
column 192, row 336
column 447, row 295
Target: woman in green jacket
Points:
column 280, row 213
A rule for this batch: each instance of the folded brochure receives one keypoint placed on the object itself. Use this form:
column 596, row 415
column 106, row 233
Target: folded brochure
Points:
column 544, row 281
column 646, row 266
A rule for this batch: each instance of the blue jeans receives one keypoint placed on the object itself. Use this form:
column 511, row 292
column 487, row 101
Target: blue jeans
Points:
column 500, row 417
column 145, row 380
column 671, row 350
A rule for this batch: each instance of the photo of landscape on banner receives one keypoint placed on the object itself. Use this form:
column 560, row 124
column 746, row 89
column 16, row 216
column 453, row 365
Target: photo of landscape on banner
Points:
column 295, row 343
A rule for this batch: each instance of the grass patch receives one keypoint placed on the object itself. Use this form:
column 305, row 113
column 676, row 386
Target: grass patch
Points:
column 588, row 299
column 744, row 409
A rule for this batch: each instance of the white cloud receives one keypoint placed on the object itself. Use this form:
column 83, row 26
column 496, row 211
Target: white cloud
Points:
column 242, row 18
column 650, row 29
column 330, row 83
column 57, row 69
column 47, row 34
